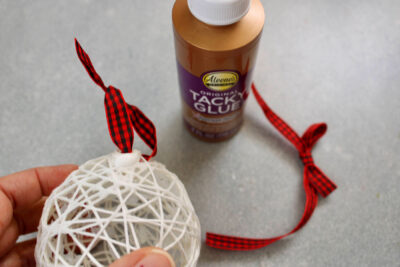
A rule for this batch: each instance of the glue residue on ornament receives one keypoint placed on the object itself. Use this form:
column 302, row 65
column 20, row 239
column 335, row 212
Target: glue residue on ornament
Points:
column 113, row 205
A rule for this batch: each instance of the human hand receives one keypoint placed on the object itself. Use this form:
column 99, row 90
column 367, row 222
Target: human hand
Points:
column 22, row 197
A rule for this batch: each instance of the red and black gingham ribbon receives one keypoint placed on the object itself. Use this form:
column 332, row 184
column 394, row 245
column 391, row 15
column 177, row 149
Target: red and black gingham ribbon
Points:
column 315, row 181
column 122, row 118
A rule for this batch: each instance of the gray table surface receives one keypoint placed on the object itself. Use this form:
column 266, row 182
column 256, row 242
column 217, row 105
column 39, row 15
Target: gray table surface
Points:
column 332, row 61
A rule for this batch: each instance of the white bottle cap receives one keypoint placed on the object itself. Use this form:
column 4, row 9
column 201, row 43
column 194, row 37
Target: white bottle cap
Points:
column 219, row 12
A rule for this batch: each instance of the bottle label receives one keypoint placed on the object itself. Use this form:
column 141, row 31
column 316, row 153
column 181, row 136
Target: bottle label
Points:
column 216, row 92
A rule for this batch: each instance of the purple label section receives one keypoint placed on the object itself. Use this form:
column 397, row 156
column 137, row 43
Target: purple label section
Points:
column 216, row 92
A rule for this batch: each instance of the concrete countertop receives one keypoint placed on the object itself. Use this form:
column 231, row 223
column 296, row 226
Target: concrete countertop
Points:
column 331, row 61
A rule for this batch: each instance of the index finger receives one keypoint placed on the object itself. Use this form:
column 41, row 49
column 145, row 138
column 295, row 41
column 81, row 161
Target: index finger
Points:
column 25, row 188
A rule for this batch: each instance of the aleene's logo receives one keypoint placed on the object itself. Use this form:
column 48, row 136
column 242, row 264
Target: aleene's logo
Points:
column 220, row 80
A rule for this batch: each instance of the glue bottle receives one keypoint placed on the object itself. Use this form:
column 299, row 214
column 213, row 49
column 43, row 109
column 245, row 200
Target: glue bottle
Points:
column 216, row 45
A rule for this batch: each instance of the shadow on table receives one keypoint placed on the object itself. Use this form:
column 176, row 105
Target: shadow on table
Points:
column 262, row 131
column 211, row 257
column 184, row 154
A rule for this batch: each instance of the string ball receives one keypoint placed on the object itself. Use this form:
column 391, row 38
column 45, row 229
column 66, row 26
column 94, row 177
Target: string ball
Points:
column 113, row 205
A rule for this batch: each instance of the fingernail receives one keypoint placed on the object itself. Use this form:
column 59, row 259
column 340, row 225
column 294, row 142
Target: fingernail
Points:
column 156, row 258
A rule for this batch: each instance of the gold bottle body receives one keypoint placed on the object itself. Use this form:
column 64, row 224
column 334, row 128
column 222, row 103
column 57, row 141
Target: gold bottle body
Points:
column 215, row 65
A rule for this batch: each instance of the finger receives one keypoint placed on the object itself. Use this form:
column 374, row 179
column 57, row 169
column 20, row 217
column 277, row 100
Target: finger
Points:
column 25, row 222
column 145, row 257
column 21, row 255
column 6, row 211
column 7, row 240
column 11, row 260
column 28, row 219
column 27, row 187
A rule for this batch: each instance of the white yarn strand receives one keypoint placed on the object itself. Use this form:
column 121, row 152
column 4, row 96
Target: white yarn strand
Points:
column 113, row 205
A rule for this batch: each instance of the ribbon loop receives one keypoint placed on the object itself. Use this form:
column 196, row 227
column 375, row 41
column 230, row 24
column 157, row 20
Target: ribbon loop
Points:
column 318, row 180
column 313, row 134
column 122, row 118
column 308, row 140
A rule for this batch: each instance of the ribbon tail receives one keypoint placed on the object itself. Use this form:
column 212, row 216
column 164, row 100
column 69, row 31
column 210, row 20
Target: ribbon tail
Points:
column 310, row 205
column 144, row 128
column 87, row 63
column 226, row 242
column 276, row 121
column 319, row 181
column 237, row 243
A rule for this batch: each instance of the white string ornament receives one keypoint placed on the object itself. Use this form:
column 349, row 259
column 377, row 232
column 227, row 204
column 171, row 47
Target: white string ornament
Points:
column 113, row 205
column 120, row 202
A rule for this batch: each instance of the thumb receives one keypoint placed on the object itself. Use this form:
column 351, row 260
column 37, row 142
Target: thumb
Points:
column 145, row 257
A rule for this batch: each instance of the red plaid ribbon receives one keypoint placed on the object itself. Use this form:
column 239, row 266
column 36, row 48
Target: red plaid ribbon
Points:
column 315, row 181
column 122, row 118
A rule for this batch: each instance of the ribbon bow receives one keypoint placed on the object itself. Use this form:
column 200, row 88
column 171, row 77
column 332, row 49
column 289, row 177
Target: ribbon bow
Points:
column 315, row 181
column 122, row 118
column 318, row 180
